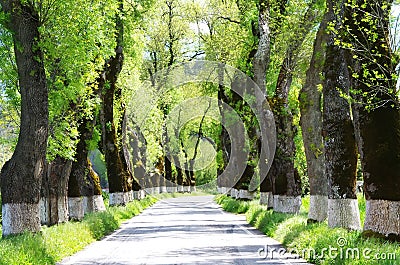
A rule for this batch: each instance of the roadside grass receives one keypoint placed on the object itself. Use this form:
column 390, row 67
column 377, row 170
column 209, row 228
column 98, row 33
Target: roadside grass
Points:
column 54, row 243
column 317, row 243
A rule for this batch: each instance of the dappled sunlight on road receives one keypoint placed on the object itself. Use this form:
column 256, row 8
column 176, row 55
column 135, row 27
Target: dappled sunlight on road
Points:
column 186, row 230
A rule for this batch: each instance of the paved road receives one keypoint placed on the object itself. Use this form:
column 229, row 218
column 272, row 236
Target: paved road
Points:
column 186, row 230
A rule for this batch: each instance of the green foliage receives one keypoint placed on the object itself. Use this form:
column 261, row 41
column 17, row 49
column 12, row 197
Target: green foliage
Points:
column 300, row 161
column 101, row 224
column 57, row 242
column 228, row 37
column 206, row 175
column 99, row 165
column 74, row 53
column 367, row 31
column 10, row 99
column 169, row 35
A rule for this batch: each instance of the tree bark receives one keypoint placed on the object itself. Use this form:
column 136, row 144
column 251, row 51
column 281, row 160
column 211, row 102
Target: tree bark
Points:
column 21, row 175
column 132, row 182
column 115, row 171
column 186, row 175
column 157, row 175
column 192, row 161
column 138, row 161
column 286, row 182
column 377, row 115
column 224, row 141
column 123, row 152
column 235, row 147
column 84, row 191
column 167, row 179
column 262, row 56
column 310, row 99
column 54, row 198
column 179, row 169
column 260, row 67
column 223, row 148
column 246, row 154
column 117, row 174
column 338, row 133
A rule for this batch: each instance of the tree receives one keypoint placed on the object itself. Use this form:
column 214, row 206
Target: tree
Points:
column 221, row 44
column 223, row 142
column 84, row 192
column 73, row 56
column 373, row 74
column 21, row 175
column 338, row 132
column 169, row 43
column 260, row 67
column 236, row 16
column 54, row 197
column 118, row 174
column 137, row 145
column 310, row 99
column 192, row 160
column 286, row 183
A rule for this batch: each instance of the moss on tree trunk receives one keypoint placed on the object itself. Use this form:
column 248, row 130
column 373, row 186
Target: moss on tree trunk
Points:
column 310, row 99
column 21, row 176
column 377, row 116
column 338, row 133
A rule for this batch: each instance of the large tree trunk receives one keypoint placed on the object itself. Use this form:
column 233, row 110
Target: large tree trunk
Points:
column 192, row 161
column 285, row 178
column 286, row 184
column 167, row 179
column 54, row 197
column 138, row 162
column 84, row 191
column 338, row 133
column 156, row 176
column 115, row 171
column 378, row 116
column 94, row 201
column 117, row 175
column 223, row 149
column 224, row 141
column 186, row 175
column 245, row 155
column 260, row 67
column 235, row 145
column 233, row 142
column 21, row 175
column 132, row 183
column 180, row 174
column 311, row 124
column 262, row 56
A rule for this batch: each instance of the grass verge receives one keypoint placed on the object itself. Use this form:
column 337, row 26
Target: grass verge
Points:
column 57, row 242
column 317, row 243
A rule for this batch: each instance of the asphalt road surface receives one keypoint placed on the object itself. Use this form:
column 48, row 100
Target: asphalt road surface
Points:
column 186, row 230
